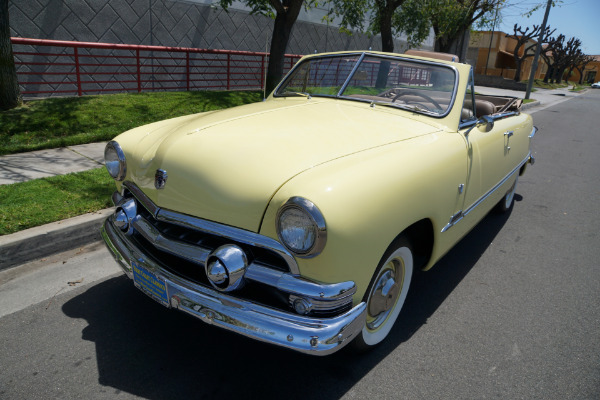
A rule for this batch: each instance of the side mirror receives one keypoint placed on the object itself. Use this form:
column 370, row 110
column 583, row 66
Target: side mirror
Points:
column 485, row 124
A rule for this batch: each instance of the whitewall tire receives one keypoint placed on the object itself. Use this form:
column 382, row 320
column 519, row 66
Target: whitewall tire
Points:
column 386, row 295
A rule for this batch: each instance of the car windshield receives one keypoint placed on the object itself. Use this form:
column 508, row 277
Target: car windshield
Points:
column 418, row 86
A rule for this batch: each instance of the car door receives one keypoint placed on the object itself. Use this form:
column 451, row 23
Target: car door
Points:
column 490, row 159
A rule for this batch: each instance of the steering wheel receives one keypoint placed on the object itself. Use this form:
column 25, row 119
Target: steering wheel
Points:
column 417, row 93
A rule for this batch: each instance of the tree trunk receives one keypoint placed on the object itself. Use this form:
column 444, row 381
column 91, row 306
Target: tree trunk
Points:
column 559, row 74
column 10, row 96
column 518, row 64
column 442, row 44
column 387, row 45
column 549, row 73
column 580, row 74
column 569, row 73
column 387, row 38
column 284, row 22
column 453, row 45
column 462, row 45
column 436, row 43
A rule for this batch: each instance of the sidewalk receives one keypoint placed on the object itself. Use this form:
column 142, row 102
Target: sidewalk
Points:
column 64, row 235
column 39, row 164
column 544, row 97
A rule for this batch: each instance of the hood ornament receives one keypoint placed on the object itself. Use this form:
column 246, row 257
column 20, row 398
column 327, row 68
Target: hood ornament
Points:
column 160, row 179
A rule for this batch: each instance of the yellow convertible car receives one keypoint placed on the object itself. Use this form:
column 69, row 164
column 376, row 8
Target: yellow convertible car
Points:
column 298, row 221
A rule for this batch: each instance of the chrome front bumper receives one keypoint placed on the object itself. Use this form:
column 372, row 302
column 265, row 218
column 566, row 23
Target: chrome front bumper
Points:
column 317, row 336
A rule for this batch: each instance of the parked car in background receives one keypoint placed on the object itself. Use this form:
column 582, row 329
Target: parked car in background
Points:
column 299, row 221
column 596, row 85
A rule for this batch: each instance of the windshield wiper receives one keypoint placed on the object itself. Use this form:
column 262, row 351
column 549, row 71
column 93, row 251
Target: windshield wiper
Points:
column 409, row 107
column 301, row 94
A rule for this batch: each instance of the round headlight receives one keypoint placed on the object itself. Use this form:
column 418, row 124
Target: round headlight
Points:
column 114, row 160
column 301, row 227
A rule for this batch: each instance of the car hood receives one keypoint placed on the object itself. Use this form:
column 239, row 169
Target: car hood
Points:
column 226, row 166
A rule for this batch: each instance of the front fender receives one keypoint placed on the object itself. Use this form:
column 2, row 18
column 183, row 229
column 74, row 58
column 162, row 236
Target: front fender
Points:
column 368, row 198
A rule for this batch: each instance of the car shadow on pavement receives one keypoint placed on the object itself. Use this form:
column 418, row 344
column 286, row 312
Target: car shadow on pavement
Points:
column 147, row 350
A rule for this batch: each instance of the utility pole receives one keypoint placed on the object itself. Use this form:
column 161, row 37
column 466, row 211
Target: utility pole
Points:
column 538, row 50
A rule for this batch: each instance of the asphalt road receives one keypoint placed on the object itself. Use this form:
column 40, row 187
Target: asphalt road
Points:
column 512, row 312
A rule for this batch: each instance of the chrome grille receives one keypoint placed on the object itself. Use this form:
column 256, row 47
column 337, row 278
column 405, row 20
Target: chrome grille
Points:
column 199, row 243
column 182, row 245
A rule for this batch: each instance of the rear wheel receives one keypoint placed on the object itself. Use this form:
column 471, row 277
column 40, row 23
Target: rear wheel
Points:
column 387, row 293
column 507, row 201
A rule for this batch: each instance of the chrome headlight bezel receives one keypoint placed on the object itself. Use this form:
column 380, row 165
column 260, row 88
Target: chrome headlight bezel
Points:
column 316, row 220
column 116, row 165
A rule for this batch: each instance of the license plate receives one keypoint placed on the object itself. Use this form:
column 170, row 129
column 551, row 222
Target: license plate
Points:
column 150, row 284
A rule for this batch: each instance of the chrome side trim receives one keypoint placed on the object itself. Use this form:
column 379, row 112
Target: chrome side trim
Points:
column 316, row 336
column 324, row 296
column 505, row 115
column 453, row 220
column 460, row 215
column 213, row 228
column 488, row 194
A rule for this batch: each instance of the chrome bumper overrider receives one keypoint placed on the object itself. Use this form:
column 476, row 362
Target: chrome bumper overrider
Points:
column 318, row 336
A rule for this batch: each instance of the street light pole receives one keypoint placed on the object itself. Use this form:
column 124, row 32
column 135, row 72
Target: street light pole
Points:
column 537, row 51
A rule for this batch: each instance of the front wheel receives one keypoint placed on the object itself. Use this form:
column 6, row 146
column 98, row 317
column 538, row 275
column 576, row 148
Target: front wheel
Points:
column 387, row 293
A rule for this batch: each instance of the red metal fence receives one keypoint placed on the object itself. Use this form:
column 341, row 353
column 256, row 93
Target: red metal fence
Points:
column 60, row 67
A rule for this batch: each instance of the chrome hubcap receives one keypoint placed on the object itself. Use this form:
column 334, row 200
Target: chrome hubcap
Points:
column 385, row 293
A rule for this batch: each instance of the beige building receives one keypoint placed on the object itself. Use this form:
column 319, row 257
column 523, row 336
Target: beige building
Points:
column 494, row 55
column 591, row 73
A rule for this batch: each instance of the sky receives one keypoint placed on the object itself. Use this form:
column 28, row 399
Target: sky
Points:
column 578, row 18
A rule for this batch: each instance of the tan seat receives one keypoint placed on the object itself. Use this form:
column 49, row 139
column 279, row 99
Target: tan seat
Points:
column 483, row 107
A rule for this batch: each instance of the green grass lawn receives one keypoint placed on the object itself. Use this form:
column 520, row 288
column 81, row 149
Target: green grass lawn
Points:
column 51, row 123
column 539, row 83
column 59, row 122
column 41, row 201
column 578, row 88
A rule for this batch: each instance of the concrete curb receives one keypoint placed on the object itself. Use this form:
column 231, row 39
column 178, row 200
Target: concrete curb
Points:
column 527, row 106
column 56, row 237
